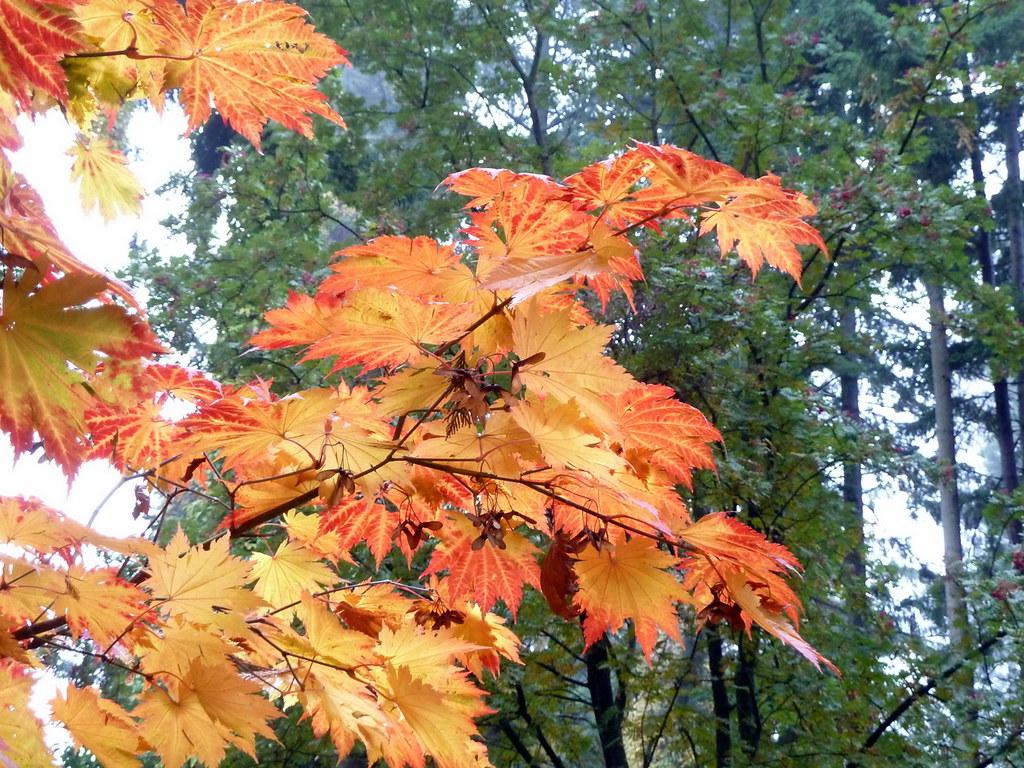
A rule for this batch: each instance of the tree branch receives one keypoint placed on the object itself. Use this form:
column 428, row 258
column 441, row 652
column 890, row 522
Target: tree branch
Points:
column 919, row 693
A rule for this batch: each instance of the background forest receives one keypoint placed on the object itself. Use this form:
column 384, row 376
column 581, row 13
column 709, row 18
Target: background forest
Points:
column 893, row 374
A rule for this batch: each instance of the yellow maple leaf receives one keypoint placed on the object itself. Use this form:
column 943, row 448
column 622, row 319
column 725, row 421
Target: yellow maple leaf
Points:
column 442, row 720
column 415, row 387
column 427, row 654
column 21, row 732
column 628, row 581
column 179, row 644
column 106, row 181
column 305, row 531
column 234, row 702
column 568, row 362
column 203, row 584
column 565, row 437
column 177, row 726
column 101, row 726
column 107, row 82
column 30, row 523
column 100, row 602
column 292, row 570
column 27, row 588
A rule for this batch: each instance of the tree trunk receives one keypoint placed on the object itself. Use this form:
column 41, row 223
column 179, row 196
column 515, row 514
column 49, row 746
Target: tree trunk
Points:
column 1010, row 125
column 853, row 486
column 1000, row 387
column 748, row 714
column 949, row 506
column 606, row 704
column 719, row 699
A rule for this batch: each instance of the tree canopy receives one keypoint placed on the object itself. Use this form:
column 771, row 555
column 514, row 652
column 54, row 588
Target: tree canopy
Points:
column 546, row 391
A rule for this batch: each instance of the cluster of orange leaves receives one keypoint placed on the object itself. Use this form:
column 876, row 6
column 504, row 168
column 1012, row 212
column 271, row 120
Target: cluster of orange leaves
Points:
column 488, row 428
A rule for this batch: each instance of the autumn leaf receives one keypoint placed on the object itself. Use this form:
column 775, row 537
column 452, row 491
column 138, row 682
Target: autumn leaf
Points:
column 250, row 424
column 414, row 266
column 628, row 581
column 178, row 645
column 379, row 329
column 739, row 575
column 530, row 238
column 682, row 179
column 426, row 653
column 234, row 702
column 762, row 610
column 21, row 732
column 30, row 240
column 255, row 61
column 565, row 437
column 557, row 577
column 177, row 726
column 373, row 329
column 493, row 640
column 486, row 185
column 34, row 37
column 305, row 531
column 358, row 519
column 301, row 322
column 485, row 573
column 31, row 524
column 670, row 434
column 106, row 181
column 765, row 224
column 328, row 641
column 100, row 602
column 203, row 584
column 50, row 333
column 566, row 362
column 103, row 83
column 442, row 720
column 725, row 537
column 282, row 578
column 100, row 725
column 609, row 188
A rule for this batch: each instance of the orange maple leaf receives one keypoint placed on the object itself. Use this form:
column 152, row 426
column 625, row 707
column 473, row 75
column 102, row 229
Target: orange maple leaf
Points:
column 256, row 61
column 628, row 581
column 34, row 37
column 374, row 328
column 358, row 519
column 418, row 266
column 681, row 179
column 610, row 187
column 764, row 223
column 738, row 575
column 670, row 434
column 485, row 573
